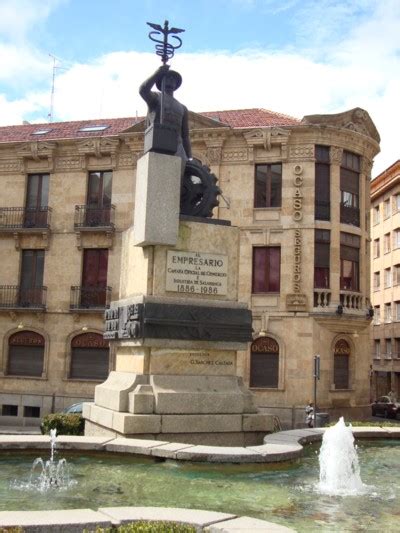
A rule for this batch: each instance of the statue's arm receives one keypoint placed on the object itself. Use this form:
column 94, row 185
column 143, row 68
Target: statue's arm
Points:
column 185, row 134
column 150, row 97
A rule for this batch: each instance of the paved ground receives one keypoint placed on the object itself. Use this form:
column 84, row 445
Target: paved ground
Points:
column 19, row 430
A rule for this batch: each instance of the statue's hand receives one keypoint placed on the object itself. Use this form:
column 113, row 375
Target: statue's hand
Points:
column 161, row 71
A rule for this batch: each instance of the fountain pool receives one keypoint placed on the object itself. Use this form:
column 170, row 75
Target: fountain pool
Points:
column 285, row 493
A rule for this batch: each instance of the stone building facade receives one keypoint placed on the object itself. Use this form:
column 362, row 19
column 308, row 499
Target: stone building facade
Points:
column 298, row 190
column 385, row 281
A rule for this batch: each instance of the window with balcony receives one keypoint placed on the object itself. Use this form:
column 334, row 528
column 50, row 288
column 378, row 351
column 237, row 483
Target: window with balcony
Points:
column 25, row 354
column 377, row 315
column 377, row 281
column 386, row 208
column 350, row 189
column 396, row 238
column 98, row 211
column 388, row 312
column 349, row 262
column 31, row 290
column 376, row 248
column 264, row 363
column 322, row 258
column 388, row 277
column 386, row 243
column 268, row 185
column 377, row 349
column 322, row 183
column 89, row 357
column 37, row 197
column 93, row 291
column 376, row 215
column 266, row 269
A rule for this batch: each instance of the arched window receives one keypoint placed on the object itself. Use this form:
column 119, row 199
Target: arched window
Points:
column 25, row 354
column 264, row 363
column 341, row 364
column 89, row 357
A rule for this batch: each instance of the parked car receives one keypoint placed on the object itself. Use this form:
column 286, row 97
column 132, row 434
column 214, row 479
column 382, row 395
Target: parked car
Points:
column 384, row 406
column 75, row 408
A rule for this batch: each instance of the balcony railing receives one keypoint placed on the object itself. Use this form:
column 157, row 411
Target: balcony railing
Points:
column 87, row 217
column 322, row 298
column 90, row 298
column 352, row 300
column 13, row 218
column 349, row 215
column 17, row 297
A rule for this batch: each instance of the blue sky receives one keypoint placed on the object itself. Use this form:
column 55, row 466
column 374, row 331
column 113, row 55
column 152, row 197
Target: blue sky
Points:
column 296, row 57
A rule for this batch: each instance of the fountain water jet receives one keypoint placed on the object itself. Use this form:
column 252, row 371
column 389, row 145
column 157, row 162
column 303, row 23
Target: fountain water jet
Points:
column 47, row 475
column 338, row 460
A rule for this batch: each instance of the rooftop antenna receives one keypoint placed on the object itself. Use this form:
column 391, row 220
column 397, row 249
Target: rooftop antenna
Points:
column 55, row 59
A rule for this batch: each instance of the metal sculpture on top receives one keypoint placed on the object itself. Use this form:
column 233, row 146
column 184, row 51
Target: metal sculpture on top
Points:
column 167, row 127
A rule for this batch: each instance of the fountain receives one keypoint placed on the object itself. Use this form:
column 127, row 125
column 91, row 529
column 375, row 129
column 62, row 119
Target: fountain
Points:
column 47, row 475
column 339, row 468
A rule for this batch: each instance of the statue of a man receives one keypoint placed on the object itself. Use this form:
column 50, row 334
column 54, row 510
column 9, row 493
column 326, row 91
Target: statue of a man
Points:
column 175, row 114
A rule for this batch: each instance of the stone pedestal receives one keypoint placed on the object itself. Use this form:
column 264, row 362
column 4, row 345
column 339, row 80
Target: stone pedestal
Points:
column 176, row 331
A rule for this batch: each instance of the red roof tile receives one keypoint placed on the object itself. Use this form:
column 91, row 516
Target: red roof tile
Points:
column 240, row 118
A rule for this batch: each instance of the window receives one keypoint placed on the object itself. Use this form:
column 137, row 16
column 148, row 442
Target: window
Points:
column 377, row 315
column 376, row 248
column 397, row 348
column 386, row 208
column 264, row 363
column 388, row 350
column 322, row 183
column 98, row 202
column 341, row 364
column 386, row 243
column 396, row 203
column 396, row 238
column 89, row 357
column 25, row 354
column 41, row 132
column 349, row 186
column 266, row 269
column 268, row 185
column 388, row 312
column 349, row 261
column 93, row 128
column 94, row 278
column 397, row 310
column 322, row 258
column 396, row 274
column 31, row 278
column 31, row 411
column 388, row 277
column 377, row 348
column 376, row 215
column 377, row 281
column 36, row 203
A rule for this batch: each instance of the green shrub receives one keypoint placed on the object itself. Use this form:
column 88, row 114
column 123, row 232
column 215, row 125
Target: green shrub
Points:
column 363, row 423
column 65, row 424
column 148, row 527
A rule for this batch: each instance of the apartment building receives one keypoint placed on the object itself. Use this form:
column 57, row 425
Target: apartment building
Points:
column 385, row 289
column 298, row 190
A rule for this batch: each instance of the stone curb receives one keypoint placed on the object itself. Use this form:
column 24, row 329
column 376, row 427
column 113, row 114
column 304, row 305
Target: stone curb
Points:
column 277, row 447
column 76, row 520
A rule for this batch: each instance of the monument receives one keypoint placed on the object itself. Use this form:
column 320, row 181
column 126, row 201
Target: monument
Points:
column 177, row 325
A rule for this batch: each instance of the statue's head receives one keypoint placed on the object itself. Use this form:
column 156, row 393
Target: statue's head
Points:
column 173, row 80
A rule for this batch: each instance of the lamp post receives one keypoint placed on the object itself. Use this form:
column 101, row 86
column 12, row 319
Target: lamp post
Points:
column 316, row 378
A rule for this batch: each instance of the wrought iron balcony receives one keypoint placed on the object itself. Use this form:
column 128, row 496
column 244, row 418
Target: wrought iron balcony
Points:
column 17, row 297
column 90, row 298
column 89, row 217
column 24, row 218
column 349, row 215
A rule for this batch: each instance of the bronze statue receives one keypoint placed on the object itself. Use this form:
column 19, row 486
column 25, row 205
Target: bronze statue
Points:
column 164, row 109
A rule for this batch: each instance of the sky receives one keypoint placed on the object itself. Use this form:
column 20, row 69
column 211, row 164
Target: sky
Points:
column 298, row 57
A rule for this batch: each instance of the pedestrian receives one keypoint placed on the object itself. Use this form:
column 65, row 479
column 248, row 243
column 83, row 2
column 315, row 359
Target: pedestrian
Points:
column 392, row 396
column 310, row 415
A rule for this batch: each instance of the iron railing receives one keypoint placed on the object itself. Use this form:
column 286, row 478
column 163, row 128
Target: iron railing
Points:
column 90, row 297
column 17, row 297
column 12, row 218
column 349, row 215
column 87, row 216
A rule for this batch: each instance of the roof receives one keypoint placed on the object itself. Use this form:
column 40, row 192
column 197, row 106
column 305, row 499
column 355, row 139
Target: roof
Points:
column 385, row 180
column 240, row 118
